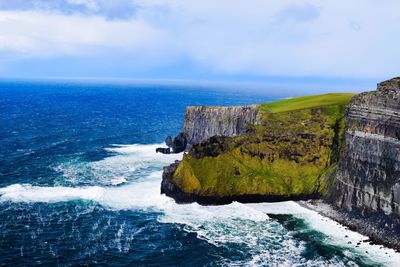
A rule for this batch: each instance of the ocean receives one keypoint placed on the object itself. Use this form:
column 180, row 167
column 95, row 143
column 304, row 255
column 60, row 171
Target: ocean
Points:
column 80, row 185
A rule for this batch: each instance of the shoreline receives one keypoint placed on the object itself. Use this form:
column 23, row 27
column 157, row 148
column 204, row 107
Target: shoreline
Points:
column 371, row 228
column 378, row 228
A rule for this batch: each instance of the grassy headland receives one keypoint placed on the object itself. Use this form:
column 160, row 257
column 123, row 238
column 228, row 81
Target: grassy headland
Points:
column 289, row 154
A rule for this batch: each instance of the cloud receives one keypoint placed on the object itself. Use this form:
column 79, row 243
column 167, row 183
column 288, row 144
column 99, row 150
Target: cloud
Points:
column 88, row 4
column 115, row 9
column 322, row 38
column 299, row 13
column 36, row 34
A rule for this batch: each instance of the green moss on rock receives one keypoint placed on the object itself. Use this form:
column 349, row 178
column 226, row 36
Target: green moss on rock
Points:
column 289, row 154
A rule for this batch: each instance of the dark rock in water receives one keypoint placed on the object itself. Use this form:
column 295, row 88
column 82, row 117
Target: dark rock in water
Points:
column 167, row 186
column 168, row 141
column 163, row 150
column 179, row 143
column 175, row 145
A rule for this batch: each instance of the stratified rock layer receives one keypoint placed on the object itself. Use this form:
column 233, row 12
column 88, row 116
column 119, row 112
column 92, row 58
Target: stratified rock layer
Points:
column 368, row 177
column 366, row 187
column 203, row 122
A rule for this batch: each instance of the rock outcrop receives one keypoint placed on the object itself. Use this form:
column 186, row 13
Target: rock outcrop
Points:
column 309, row 147
column 163, row 150
column 203, row 122
column 367, row 181
column 177, row 144
column 368, row 177
column 285, row 154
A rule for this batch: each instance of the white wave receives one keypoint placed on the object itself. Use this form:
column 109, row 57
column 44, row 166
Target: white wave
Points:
column 337, row 234
column 130, row 162
column 143, row 192
column 245, row 224
column 29, row 193
column 148, row 150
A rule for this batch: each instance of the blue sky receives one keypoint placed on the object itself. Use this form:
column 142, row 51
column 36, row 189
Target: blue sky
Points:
column 324, row 42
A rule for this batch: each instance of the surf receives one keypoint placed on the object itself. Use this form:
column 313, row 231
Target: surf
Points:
column 246, row 225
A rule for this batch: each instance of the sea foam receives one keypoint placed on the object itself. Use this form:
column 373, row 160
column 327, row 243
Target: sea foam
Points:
column 29, row 193
column 245, row 224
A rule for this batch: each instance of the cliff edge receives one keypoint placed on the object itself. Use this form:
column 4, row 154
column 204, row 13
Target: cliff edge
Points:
column 367, row 182
column 286, row 151
column 340, row 148
column 203, row 122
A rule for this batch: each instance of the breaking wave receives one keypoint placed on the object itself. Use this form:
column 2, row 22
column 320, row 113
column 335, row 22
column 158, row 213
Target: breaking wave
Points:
column 130, row 179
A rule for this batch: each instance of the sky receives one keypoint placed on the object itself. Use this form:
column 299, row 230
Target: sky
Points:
column 336, row 42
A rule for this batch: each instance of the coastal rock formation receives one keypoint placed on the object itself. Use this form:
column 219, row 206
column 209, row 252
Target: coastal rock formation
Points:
column 367, row 182
column 203, row 122
column 302, row 148
column 285, row 154
column 177, row 144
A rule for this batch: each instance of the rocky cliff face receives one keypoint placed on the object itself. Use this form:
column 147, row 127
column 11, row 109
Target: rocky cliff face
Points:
column 368, row 177
column 270, row 152
column 202, row 122
column 307, row 147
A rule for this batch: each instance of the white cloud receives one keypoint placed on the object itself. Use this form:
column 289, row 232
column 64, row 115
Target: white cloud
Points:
column 38, row 34
column 356, row 38
column 89, row 4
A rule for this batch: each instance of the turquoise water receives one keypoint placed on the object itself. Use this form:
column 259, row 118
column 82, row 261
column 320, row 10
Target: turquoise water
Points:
column 80, row 182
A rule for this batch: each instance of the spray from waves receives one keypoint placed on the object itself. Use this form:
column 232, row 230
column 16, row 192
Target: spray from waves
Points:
column 129, row 162
column 137, row 161
column 29, row 193
column 244, row 225
column 235, row 224
column 144, row 150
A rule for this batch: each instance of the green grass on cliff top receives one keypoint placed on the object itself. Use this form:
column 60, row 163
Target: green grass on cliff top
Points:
column 306, row 102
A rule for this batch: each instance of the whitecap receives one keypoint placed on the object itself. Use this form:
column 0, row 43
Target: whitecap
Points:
column 49, row 194
column 247, row 225
column 130, row 162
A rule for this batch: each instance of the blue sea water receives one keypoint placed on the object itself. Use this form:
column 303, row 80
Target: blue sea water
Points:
column 80, row 185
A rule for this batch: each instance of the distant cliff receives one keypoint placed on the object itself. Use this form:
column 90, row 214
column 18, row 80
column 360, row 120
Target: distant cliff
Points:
column 202, row 122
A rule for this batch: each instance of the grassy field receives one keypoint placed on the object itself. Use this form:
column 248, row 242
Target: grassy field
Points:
column 306, row 102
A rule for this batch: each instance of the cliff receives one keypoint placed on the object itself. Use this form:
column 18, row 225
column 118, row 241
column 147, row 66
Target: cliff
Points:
column 202, row 122
column 367, row 181
column 287, row 151
column 368, row 177
column 346, row 152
